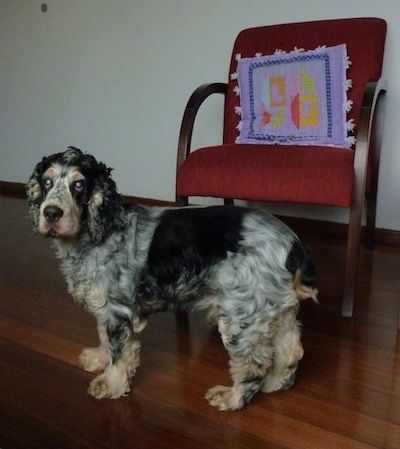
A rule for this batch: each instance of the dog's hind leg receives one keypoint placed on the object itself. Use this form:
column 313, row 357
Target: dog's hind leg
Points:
column 288, row 350
column 125, row 359
column 251, row 357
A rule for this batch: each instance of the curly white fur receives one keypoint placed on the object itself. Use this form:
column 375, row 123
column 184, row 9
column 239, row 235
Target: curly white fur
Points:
column 123, row 263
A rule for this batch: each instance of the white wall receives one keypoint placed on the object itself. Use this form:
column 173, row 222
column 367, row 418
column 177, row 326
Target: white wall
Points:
column 113, row 78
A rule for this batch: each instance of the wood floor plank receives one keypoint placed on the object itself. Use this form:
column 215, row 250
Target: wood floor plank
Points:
column 347, row 393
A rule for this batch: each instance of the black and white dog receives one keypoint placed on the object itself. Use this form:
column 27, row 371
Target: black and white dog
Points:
column 123, row 263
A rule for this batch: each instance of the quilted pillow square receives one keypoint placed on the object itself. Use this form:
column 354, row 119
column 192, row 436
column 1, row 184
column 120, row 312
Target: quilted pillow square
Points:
column 295, row 98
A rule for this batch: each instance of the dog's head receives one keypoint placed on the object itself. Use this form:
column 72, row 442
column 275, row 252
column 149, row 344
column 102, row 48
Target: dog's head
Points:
column 71, row 193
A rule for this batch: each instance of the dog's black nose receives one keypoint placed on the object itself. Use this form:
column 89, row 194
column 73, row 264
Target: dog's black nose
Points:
column 53, row 213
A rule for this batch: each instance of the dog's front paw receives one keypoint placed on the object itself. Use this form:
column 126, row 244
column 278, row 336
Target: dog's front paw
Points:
column 101, row 387
column 94, row 359
column 111, row 384
column 98, row 388
column 225, row 398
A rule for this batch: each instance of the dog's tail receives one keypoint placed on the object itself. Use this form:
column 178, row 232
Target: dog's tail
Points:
column 301, row 263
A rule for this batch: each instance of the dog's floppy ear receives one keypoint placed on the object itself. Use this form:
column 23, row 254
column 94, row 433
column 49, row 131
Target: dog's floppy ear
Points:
column 105, row 209
column 34, row 193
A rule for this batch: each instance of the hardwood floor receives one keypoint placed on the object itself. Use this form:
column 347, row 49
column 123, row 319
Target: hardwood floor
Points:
column 347, row 393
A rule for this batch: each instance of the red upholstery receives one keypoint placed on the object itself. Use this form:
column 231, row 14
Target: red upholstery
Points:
column 283, row 173
column 317, row 175
column 280, row 173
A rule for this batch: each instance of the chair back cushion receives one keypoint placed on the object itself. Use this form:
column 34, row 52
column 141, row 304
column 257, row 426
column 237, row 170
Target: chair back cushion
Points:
column 364, row 38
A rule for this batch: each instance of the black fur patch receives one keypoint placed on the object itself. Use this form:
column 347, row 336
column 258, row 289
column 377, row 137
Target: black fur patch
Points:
column 192, row 239
column 300, row 257
column 186, row 244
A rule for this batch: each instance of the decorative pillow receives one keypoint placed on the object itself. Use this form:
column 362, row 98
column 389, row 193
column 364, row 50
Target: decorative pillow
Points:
column 295, row 98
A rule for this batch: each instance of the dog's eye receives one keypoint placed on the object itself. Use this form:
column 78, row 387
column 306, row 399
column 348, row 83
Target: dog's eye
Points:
column 47, row 184
column 79, row 186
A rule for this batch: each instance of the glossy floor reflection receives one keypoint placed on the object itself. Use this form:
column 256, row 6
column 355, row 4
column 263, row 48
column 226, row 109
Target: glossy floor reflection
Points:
column 347, row 392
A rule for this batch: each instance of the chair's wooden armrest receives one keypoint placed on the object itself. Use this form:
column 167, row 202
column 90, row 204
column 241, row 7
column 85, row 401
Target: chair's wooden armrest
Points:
column 192, row 106
column 372, row 91
column 372, row 94
column 365, row 150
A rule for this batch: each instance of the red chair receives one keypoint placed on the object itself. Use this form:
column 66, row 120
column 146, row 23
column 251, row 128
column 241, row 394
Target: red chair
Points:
column 312, row 174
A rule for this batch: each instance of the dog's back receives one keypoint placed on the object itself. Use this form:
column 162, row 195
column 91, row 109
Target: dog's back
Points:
column 195, row 248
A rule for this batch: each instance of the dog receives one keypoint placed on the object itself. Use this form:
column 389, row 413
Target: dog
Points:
column 123, row 263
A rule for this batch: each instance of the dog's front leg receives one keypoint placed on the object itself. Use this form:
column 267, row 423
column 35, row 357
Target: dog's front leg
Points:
column 124, row 359
column 96, row 359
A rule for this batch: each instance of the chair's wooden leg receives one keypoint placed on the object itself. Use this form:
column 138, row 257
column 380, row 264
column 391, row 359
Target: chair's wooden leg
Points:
column 371, row 205
column 181, row 201
column 373, row 169
column 398, row 320
column 371, row 219
column 348, row 294
column 371, row 96
column 351, row 268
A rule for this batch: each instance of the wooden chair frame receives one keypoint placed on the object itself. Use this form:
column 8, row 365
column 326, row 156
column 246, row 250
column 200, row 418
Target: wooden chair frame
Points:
column 366, row 164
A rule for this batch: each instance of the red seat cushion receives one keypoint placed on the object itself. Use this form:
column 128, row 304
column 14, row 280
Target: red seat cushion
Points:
column 283, row 173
